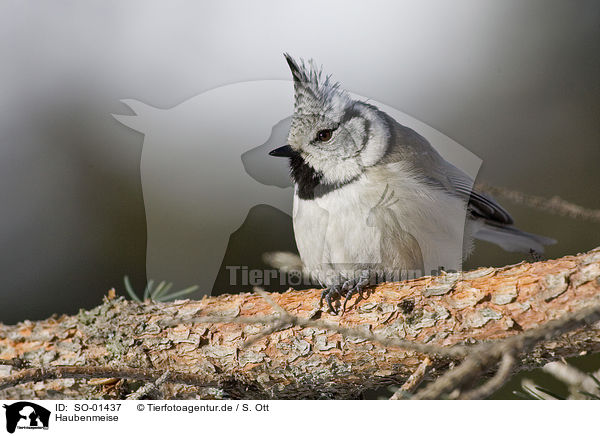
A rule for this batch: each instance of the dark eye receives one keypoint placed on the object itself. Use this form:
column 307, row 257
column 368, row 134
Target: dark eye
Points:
column 324, row 135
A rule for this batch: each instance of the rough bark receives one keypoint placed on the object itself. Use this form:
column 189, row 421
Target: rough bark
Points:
column 300, row 361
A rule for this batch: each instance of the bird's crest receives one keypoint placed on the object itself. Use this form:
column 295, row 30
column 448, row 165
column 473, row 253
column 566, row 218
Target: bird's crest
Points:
column 313, row 89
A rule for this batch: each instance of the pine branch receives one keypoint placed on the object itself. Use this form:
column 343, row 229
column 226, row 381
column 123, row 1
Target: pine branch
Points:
column 283, row 346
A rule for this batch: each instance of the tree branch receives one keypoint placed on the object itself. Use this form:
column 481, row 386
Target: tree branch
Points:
column 284, row 346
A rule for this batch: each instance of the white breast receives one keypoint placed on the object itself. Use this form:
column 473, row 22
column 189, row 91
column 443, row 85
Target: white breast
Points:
column 353, row 226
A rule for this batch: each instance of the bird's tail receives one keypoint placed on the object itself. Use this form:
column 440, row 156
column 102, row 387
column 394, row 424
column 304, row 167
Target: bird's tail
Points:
column 283, row 260
column 512, row 239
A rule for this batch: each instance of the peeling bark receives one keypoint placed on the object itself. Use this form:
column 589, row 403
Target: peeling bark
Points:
column 304, row 362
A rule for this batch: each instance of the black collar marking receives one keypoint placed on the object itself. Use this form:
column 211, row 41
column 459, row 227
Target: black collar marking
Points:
column 309, row 181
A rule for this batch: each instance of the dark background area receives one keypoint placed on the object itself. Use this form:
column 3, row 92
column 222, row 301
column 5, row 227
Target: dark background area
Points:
column 515, row 82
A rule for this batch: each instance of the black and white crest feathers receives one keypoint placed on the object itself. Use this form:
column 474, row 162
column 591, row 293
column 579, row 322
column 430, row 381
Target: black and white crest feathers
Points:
column 312, row 88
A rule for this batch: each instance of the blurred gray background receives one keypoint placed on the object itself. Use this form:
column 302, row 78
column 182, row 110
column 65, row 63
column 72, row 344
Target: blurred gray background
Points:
column 515, row 82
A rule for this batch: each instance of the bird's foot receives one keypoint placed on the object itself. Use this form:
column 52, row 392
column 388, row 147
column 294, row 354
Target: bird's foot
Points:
column 347, row 289
column 329, row 293
column 354, row 287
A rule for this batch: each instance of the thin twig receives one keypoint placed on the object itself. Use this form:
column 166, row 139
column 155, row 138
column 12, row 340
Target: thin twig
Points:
column 578, row 382
column 413, row 381
column 457, row 377
column 496, row 382
column 149, row 387
column 280, row 310
column 554, row 204
column 279, row 325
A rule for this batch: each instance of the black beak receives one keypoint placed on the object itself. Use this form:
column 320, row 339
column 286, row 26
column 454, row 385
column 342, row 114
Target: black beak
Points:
column 285, row 151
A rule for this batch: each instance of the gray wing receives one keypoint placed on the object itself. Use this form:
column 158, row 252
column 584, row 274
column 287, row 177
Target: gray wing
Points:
column 498, row 228
column 409, row 145
column 479, row 205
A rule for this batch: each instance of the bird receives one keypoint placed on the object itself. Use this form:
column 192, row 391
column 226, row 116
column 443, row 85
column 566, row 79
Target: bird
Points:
column 373, row 200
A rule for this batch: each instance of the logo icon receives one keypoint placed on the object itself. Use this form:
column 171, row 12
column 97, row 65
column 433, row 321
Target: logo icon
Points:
column 26, row 415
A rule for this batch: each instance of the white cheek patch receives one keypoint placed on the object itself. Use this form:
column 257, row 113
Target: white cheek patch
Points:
column 334, row 171
column 357, row 130
column 377, row 142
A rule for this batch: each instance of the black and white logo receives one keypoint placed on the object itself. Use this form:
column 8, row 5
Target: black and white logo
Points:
column 26, row 415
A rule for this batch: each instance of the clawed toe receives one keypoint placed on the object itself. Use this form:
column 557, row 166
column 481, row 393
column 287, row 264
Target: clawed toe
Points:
column 347, row 290
column 329, row 293
column 357, row 288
